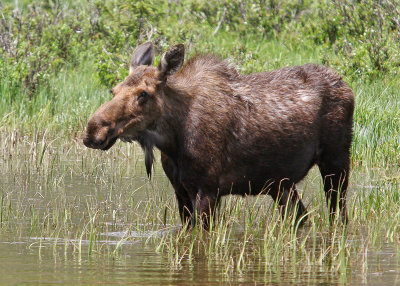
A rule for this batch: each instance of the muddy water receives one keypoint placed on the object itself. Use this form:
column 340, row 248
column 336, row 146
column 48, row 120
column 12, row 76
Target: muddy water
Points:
column 46, row 219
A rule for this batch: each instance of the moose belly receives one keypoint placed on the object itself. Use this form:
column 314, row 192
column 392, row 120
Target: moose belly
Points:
column 257, row 174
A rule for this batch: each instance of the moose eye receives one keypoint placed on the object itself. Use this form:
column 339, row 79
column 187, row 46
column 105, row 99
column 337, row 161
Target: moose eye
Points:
column 142, row 98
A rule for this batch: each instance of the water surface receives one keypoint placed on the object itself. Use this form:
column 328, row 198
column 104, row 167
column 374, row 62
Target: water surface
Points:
column 78, row 217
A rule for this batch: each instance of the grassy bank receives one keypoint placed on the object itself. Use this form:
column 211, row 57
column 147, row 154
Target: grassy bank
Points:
column 63, row 106
column 58, row 60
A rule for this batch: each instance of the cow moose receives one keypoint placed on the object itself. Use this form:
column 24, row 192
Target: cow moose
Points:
column 221, row 132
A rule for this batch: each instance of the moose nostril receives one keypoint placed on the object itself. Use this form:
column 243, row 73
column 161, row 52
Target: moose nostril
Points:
column 93, row 143
column 105, row 123
column 86, row 142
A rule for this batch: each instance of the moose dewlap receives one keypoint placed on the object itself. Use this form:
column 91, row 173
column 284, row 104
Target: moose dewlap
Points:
column 221, row 132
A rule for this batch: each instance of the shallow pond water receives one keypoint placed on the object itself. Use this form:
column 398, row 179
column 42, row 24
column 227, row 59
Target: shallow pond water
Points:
column 27, row 262
column 77, row 217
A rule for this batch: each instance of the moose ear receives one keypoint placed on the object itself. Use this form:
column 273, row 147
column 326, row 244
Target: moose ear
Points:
column 172, row 60
column 143, row 55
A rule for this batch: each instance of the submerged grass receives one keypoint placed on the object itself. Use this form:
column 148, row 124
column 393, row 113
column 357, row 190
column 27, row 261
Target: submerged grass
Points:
column 57, row 193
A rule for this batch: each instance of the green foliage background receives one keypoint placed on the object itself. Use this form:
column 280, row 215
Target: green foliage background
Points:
column 361, row 38
column 58, row 58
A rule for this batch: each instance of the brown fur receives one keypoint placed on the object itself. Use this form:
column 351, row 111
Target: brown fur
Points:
column 222, row 133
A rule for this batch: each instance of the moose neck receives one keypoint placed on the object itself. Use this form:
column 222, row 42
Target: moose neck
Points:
column 167, row 133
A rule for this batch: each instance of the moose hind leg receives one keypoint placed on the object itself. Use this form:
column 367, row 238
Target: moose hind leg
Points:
column 334, row 170
column 205, row 205
column 286, row 195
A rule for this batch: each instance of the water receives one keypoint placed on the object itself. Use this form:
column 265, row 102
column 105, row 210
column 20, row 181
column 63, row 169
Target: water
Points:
column 72, row 216
column 24, row 262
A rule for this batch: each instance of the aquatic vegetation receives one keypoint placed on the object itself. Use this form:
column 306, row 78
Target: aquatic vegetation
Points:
column 73, row 201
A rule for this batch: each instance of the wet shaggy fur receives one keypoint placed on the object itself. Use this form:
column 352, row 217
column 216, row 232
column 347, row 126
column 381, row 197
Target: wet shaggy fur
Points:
column 221, row 132
column 246, row 134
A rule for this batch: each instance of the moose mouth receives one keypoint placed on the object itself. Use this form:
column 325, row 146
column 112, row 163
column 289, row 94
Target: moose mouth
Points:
column 109, row 144
column 110, row 139
column 105, row 145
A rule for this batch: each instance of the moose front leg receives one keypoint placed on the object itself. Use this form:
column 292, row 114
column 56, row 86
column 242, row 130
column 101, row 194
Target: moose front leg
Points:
column 185, row 205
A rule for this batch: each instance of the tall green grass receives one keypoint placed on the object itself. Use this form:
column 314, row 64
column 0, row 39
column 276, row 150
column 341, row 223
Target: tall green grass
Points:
column 377, row 123
column 62, row 106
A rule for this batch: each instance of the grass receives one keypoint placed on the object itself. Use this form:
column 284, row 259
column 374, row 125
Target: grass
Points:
column 68, row 197
column 62, row 106
column 377, row 123
column 57, row 192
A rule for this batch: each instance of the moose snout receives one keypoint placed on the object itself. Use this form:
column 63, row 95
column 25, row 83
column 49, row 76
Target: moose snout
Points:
column 87, row 142
column 94, row 140
column 100, row 141
column 93, row 143
column 98, row 133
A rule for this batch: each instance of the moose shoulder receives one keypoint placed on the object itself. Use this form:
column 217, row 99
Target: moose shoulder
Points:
column 221, row 132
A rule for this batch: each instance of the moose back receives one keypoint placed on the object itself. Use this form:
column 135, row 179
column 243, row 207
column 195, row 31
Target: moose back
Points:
column 221, row 132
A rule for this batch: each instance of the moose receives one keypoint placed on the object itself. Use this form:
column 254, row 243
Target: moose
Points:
column 221, row 132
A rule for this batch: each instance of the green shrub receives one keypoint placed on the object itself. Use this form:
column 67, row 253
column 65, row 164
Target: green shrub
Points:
column 364, row 35
column 361, row 38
